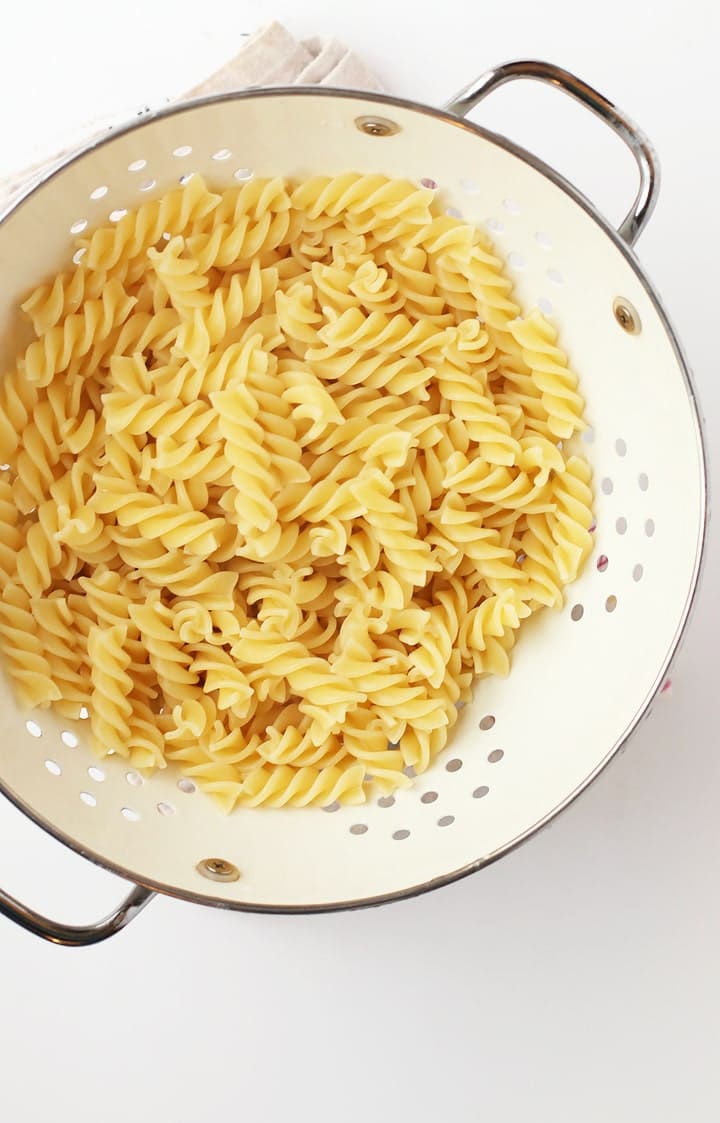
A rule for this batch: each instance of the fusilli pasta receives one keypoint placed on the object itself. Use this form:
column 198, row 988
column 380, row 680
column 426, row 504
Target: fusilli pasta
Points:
column 286, row 467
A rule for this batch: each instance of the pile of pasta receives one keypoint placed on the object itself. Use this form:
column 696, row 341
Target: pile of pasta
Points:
column 286, row 468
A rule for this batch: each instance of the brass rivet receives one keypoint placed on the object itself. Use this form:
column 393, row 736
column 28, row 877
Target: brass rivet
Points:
column 626, row 316
column 217, row 869
column 376, row 126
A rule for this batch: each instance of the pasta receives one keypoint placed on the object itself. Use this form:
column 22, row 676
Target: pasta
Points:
column 286, row 469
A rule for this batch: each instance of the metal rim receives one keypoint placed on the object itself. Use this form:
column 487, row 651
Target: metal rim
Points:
column 572, row 192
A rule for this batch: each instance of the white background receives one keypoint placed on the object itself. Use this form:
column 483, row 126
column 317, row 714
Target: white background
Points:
column 577, row 980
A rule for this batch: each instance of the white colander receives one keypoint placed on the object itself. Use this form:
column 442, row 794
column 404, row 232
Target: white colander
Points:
column 581, row 680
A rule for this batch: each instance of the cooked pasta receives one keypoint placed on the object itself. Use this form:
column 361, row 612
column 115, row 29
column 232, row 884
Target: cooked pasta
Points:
column 287, row 467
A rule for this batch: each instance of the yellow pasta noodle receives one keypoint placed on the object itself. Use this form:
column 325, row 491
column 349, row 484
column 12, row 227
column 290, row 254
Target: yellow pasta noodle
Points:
column 286, row 467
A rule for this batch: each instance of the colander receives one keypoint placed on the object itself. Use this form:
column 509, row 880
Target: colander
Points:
column 582, row 678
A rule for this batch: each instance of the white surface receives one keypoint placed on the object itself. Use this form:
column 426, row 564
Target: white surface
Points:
column 574, row 980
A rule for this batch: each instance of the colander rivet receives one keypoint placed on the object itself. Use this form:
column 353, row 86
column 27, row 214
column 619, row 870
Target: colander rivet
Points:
column 377, row 126
column 626, row 316
column 217, row 869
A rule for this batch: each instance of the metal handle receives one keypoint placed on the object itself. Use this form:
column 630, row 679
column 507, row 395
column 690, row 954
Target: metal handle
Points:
column 76, row 936
column 645, row 158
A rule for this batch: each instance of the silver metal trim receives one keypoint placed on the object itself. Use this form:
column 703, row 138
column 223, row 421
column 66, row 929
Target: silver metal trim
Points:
column 623, row 247
column 644, row 203
column 76, row 936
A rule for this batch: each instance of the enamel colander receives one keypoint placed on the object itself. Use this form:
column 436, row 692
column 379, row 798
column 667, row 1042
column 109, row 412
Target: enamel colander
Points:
column 526, row 745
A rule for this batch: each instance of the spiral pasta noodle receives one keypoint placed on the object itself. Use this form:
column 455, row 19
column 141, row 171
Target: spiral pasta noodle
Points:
column 286, row 466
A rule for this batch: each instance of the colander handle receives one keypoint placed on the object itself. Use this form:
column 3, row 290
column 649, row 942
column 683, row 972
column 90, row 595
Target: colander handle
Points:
column 71, row 935
column 634, row 222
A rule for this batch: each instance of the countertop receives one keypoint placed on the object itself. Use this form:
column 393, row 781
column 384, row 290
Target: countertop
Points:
column 575, row 980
